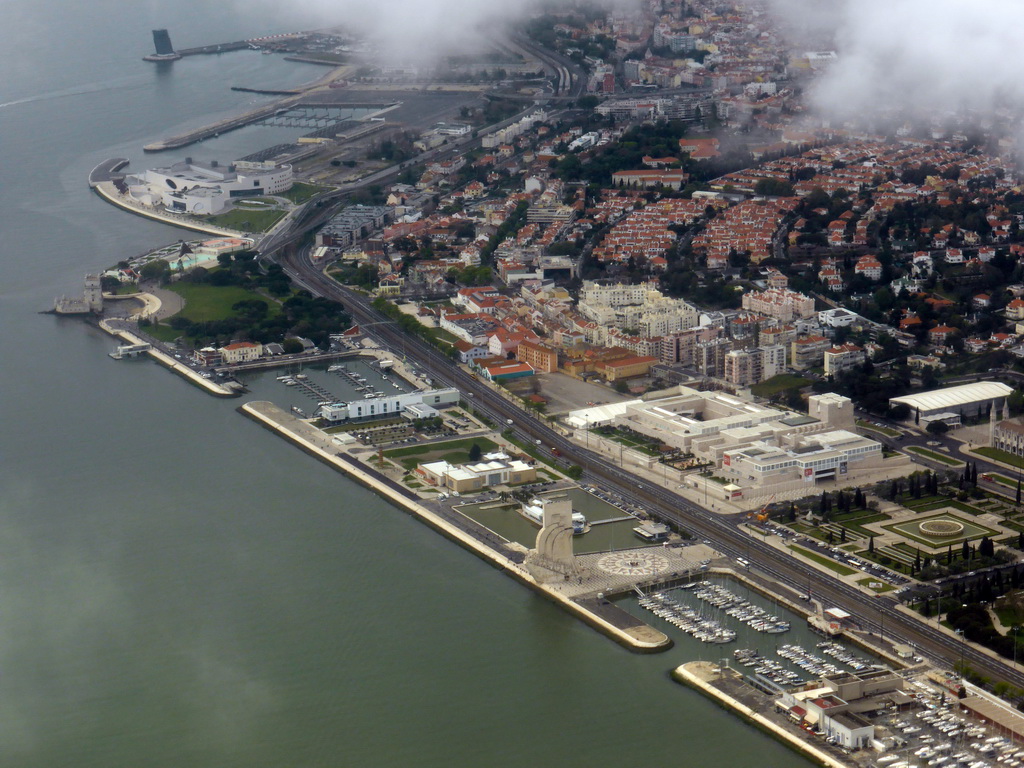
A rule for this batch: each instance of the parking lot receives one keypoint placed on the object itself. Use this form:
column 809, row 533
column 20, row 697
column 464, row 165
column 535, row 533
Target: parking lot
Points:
column 941, row 736
column 834, row 553
column 565, row 393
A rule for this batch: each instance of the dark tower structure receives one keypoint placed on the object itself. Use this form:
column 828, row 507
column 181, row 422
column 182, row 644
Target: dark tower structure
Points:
column 162, row 41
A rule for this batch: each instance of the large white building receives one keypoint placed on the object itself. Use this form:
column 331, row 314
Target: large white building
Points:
column 388, row 405
column 493, row 469
column 201, row 189
column 810, row 458
column 964, row 400
column 755, row 447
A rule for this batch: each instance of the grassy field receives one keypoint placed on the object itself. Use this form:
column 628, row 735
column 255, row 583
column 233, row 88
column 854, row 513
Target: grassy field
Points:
column 842, row 570
column 301, row 192
column 779, row 383
column 247, row 221
column 1002, row 479
column 163, row 332
column 883, row 430
column 935, row 456
column 1000, row 455
column 452, row 451
column 857, row 525
column 953, row 503
column 204, row 302
column 877, row 590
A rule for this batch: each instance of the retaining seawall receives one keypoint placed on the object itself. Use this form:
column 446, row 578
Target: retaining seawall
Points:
column 693, row 674
column 104, row 190
column 169, row 362
column 641, row 639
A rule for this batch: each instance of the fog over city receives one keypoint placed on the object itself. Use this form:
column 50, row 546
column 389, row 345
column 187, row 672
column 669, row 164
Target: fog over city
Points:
column 925, row 56
column 420, row 30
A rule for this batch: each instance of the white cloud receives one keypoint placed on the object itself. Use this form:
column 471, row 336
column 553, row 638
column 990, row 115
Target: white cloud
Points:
column 921, row 55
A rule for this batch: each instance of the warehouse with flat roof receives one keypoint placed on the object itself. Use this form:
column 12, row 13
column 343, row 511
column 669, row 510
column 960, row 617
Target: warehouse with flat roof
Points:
column 965, row 400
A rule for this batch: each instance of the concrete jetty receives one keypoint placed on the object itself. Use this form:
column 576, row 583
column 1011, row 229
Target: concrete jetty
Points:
column 600, row 614
column 246, row 118
column 701, row 674
column 107, row 171
column 167, row 361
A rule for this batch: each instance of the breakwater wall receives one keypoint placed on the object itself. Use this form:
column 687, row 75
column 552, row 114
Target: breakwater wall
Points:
column 697, row 674
column 167, row 361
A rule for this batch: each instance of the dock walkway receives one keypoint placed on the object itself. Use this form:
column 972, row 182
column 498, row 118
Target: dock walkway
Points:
column 107, row 171
column 167, row 361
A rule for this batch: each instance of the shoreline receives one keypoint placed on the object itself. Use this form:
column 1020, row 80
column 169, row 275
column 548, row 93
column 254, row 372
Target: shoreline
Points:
column 274, row 419
column 166, row 361
column 103, row 192
column 685, row 674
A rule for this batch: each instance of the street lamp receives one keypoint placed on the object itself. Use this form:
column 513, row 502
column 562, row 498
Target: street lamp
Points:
column 963, row 643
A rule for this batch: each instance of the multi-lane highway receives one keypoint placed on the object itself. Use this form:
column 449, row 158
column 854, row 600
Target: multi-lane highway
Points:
column 875, row 613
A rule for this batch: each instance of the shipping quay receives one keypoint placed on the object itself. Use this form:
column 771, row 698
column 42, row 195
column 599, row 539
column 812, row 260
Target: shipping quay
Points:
column 576, row 598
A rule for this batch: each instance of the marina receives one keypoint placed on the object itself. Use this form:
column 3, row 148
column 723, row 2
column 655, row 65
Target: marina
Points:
column 315, row 384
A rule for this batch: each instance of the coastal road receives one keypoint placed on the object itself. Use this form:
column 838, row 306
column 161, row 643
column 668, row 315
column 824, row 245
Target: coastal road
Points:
column 872, row 613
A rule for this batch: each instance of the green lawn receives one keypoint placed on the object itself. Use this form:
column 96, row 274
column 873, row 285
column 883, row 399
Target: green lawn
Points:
column 163, row 332
column 452, row 451
column 842, row 570
column 301, row 192
column 857, row 526
column 539, row 452
column 877, row 590
column 247, row 220
column 1008, row 615
column 1000, row 455
column 778, row 384
column 1002, row 479
column 205, row 302
column 934, row 456
column 884, row 430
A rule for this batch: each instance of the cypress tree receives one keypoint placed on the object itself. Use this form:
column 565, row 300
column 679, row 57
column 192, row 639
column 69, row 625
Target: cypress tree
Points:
column 949, row 554
column 965, row 551
column 871, row 544
column 842, row 535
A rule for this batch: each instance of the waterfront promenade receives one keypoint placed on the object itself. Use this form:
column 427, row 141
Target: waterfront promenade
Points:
column 108, row 192
column 167, row 361
column 710, row 679
column 617, row 624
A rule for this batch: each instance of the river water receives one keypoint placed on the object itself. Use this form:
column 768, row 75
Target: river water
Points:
column 180, row 588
